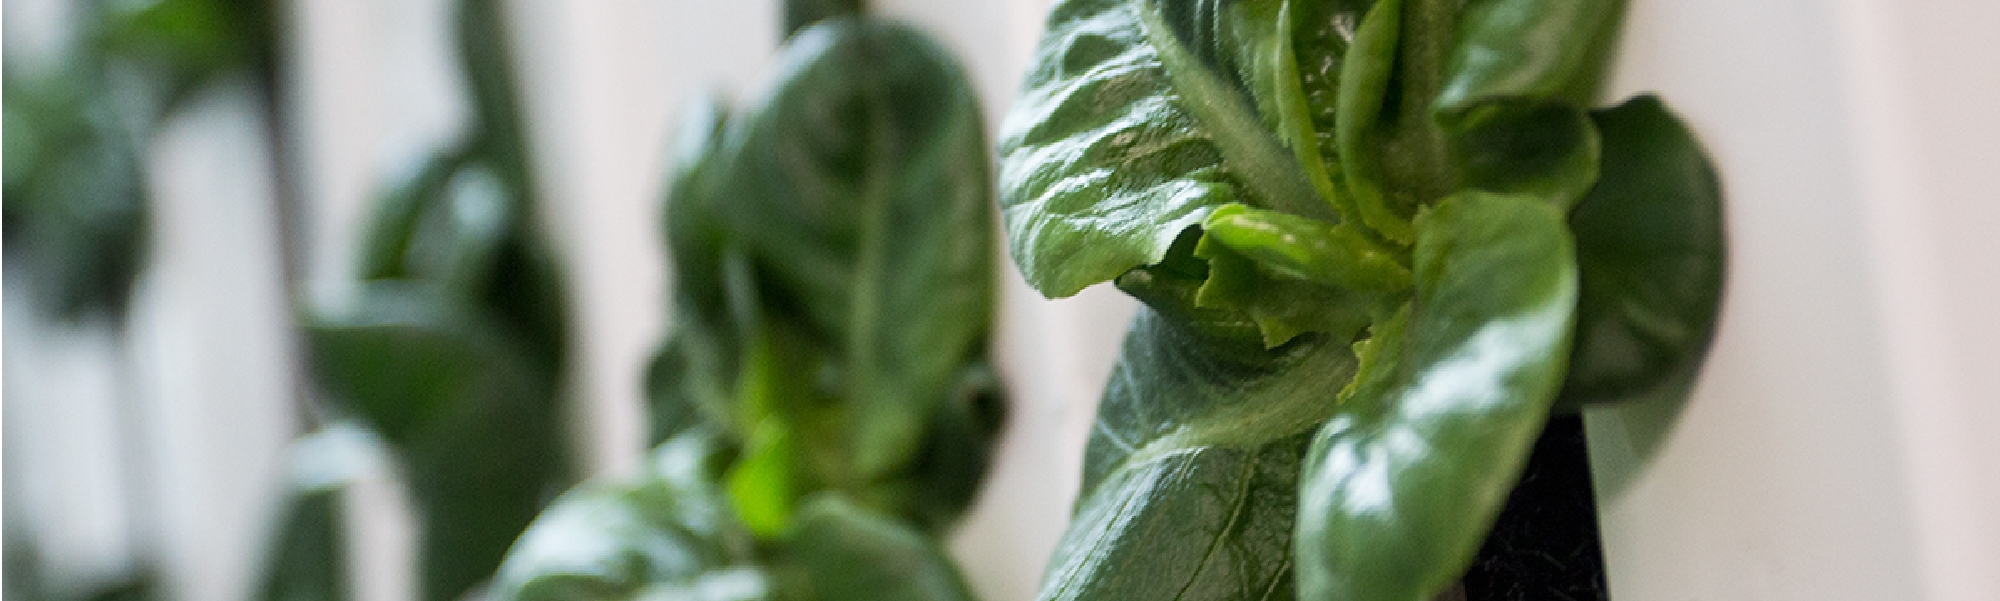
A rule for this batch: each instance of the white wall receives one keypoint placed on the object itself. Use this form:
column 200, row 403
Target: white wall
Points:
column 1841, row 444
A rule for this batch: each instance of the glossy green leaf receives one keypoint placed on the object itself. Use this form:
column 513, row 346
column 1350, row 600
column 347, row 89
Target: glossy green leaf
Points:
column 1516, row 99
column 1138, row 118
column 1530, row 51
column 669, row 535
column 858, row 189
column 1304, row 249
column 1399, row 487
column 1650, row 246
column 1190, row 471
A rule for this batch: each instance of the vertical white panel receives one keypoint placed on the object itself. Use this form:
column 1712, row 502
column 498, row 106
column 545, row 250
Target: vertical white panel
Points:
column 212, row 329
column 1924, row 76
column 1835, row 447
column 67, row 451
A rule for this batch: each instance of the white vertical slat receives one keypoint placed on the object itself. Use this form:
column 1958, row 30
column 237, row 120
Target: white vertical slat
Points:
column 213, row 342
column 1924, row 76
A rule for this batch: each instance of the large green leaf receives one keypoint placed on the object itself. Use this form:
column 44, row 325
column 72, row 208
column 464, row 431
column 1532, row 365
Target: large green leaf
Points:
column 1190, row 472
column 1139, row 118
column 1399, row 488
column 1650, row 246
column 669, row 535
column 858, row 189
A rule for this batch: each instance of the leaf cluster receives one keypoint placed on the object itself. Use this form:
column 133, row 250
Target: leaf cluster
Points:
column 1378, row 242
column 823, row 405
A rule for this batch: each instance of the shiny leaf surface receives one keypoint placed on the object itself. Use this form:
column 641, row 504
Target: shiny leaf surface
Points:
column 1400, row 486
column 1272, row 175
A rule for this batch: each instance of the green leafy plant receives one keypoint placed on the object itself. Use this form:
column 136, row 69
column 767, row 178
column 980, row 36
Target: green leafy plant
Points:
column 1378, row 242
column 451, row 347
column 823, row 406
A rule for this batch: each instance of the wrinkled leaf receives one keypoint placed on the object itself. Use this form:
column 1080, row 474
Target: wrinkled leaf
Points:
column 1399, row 488
column 1650, row 248
column 1138, row 118
column 1189, row 475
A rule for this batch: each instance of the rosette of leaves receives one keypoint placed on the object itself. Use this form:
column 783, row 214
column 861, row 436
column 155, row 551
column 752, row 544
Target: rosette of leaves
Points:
column 451, row 345
column 1377, row 243
column 833, row 255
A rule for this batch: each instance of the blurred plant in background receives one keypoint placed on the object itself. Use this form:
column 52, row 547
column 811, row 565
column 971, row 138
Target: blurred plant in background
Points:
column 824, row 407
column 76, row 211
column 451, row 350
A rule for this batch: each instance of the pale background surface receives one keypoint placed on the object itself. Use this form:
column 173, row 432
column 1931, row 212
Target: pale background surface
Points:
column 1841, row 445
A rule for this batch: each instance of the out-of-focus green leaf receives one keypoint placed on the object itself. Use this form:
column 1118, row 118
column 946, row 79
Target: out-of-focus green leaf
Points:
column 669, row 535
column 841, row 551
column 833, row 254
column 307, row 557
column 800, row 14
column 76, row 209
column 858, row 187
column 855, row 191
column 1650, row 247
column 453, row 343
column 1401, row 485
column 191, row 42
column 714, row 298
